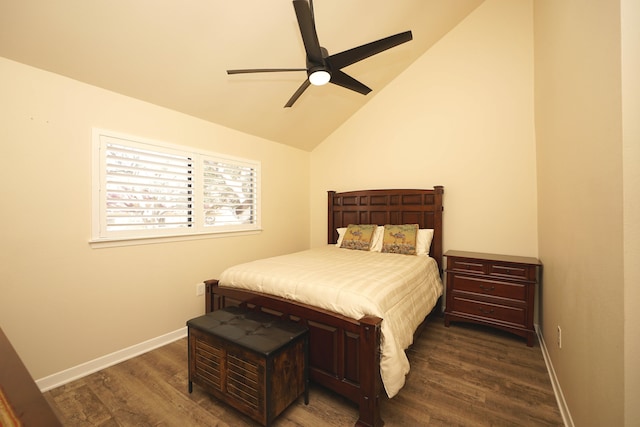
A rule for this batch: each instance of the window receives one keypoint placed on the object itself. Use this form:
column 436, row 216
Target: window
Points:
column 148, row 189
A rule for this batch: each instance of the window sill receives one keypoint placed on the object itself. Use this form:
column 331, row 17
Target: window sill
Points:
column 136, row 241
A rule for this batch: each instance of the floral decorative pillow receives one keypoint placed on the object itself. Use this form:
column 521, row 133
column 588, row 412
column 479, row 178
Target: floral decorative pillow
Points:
column 358, row 236
column 400, row 239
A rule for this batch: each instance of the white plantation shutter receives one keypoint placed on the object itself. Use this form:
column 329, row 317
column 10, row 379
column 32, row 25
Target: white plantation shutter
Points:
column 230, row 196
column 150, row 189
column 147, row 190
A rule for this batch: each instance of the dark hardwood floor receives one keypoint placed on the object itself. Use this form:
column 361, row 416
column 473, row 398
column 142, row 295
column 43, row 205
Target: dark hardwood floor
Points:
column 464, row 375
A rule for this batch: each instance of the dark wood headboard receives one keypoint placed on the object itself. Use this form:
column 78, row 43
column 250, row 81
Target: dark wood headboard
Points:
column 423, row 207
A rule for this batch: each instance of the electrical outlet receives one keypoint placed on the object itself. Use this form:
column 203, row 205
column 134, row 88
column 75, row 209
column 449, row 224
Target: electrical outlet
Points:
column 199, row 289
column 559, row 337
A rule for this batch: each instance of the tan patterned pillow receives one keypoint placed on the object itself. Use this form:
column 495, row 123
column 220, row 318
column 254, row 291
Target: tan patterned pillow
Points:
column 358, row 236
column 400, row 239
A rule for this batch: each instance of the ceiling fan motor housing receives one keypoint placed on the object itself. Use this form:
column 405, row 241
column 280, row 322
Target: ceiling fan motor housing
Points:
column 319, row 74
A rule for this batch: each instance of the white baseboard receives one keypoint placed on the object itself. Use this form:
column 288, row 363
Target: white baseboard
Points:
column 562, row 404
column 84, row 369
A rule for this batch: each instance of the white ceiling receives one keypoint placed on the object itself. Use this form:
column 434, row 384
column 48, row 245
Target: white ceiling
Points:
column 175, row 53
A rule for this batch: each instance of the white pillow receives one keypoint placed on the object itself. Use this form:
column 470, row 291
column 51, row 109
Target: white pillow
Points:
column 376, row 241
column 341, row 232
column 423, row 241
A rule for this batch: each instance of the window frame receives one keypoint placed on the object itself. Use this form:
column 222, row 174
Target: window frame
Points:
column 197, row 229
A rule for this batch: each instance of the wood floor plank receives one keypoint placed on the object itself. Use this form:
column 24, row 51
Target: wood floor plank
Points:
column 464, row 375
column 82, row 405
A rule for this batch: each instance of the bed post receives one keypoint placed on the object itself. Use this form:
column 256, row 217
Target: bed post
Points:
column 210, row 297
column 437, row 216
column 370, row 380
column 331, row 235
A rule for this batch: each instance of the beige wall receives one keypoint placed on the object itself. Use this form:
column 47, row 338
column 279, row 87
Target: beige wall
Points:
column 63, row 303
column 580, row 198
column 630, row 27
column 461, row 116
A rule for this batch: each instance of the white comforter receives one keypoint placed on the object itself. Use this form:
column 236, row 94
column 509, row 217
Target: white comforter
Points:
column 401, row 289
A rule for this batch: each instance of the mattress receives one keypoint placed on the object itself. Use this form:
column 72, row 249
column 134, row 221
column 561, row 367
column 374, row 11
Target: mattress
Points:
column 400, row 289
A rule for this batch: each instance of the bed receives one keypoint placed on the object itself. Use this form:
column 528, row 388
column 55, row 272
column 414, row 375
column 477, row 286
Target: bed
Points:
column 345, row 349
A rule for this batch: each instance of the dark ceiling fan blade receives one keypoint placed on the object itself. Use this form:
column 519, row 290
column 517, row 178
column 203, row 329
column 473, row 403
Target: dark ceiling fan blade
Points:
column 305, row 84
column 351, row 56
column 264, row 70
column 308, row 31
column 342, row 79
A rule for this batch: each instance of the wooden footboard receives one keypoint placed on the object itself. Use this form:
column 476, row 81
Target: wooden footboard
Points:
column 344, row 354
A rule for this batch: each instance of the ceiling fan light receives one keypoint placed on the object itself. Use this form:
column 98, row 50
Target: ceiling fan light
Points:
column 319, row 78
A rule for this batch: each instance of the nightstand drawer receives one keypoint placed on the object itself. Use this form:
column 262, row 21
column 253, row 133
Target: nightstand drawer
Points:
column 510, row 270
column 466, row 265
column 504, row 313
column 515, row 291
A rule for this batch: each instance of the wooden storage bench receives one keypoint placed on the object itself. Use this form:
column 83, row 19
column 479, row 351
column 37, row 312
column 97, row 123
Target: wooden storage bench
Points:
column 253, row 361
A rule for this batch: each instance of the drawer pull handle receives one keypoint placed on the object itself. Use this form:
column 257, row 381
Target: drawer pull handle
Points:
column 485, row 311
column 487, row 288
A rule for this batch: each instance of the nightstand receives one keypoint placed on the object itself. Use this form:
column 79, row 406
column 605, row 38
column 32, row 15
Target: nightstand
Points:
column 491, row 289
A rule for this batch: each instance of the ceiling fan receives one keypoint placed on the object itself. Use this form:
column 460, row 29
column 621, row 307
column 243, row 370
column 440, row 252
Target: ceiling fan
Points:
column 323, row 68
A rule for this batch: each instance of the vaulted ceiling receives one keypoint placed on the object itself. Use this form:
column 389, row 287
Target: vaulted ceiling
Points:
column 175, row 53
